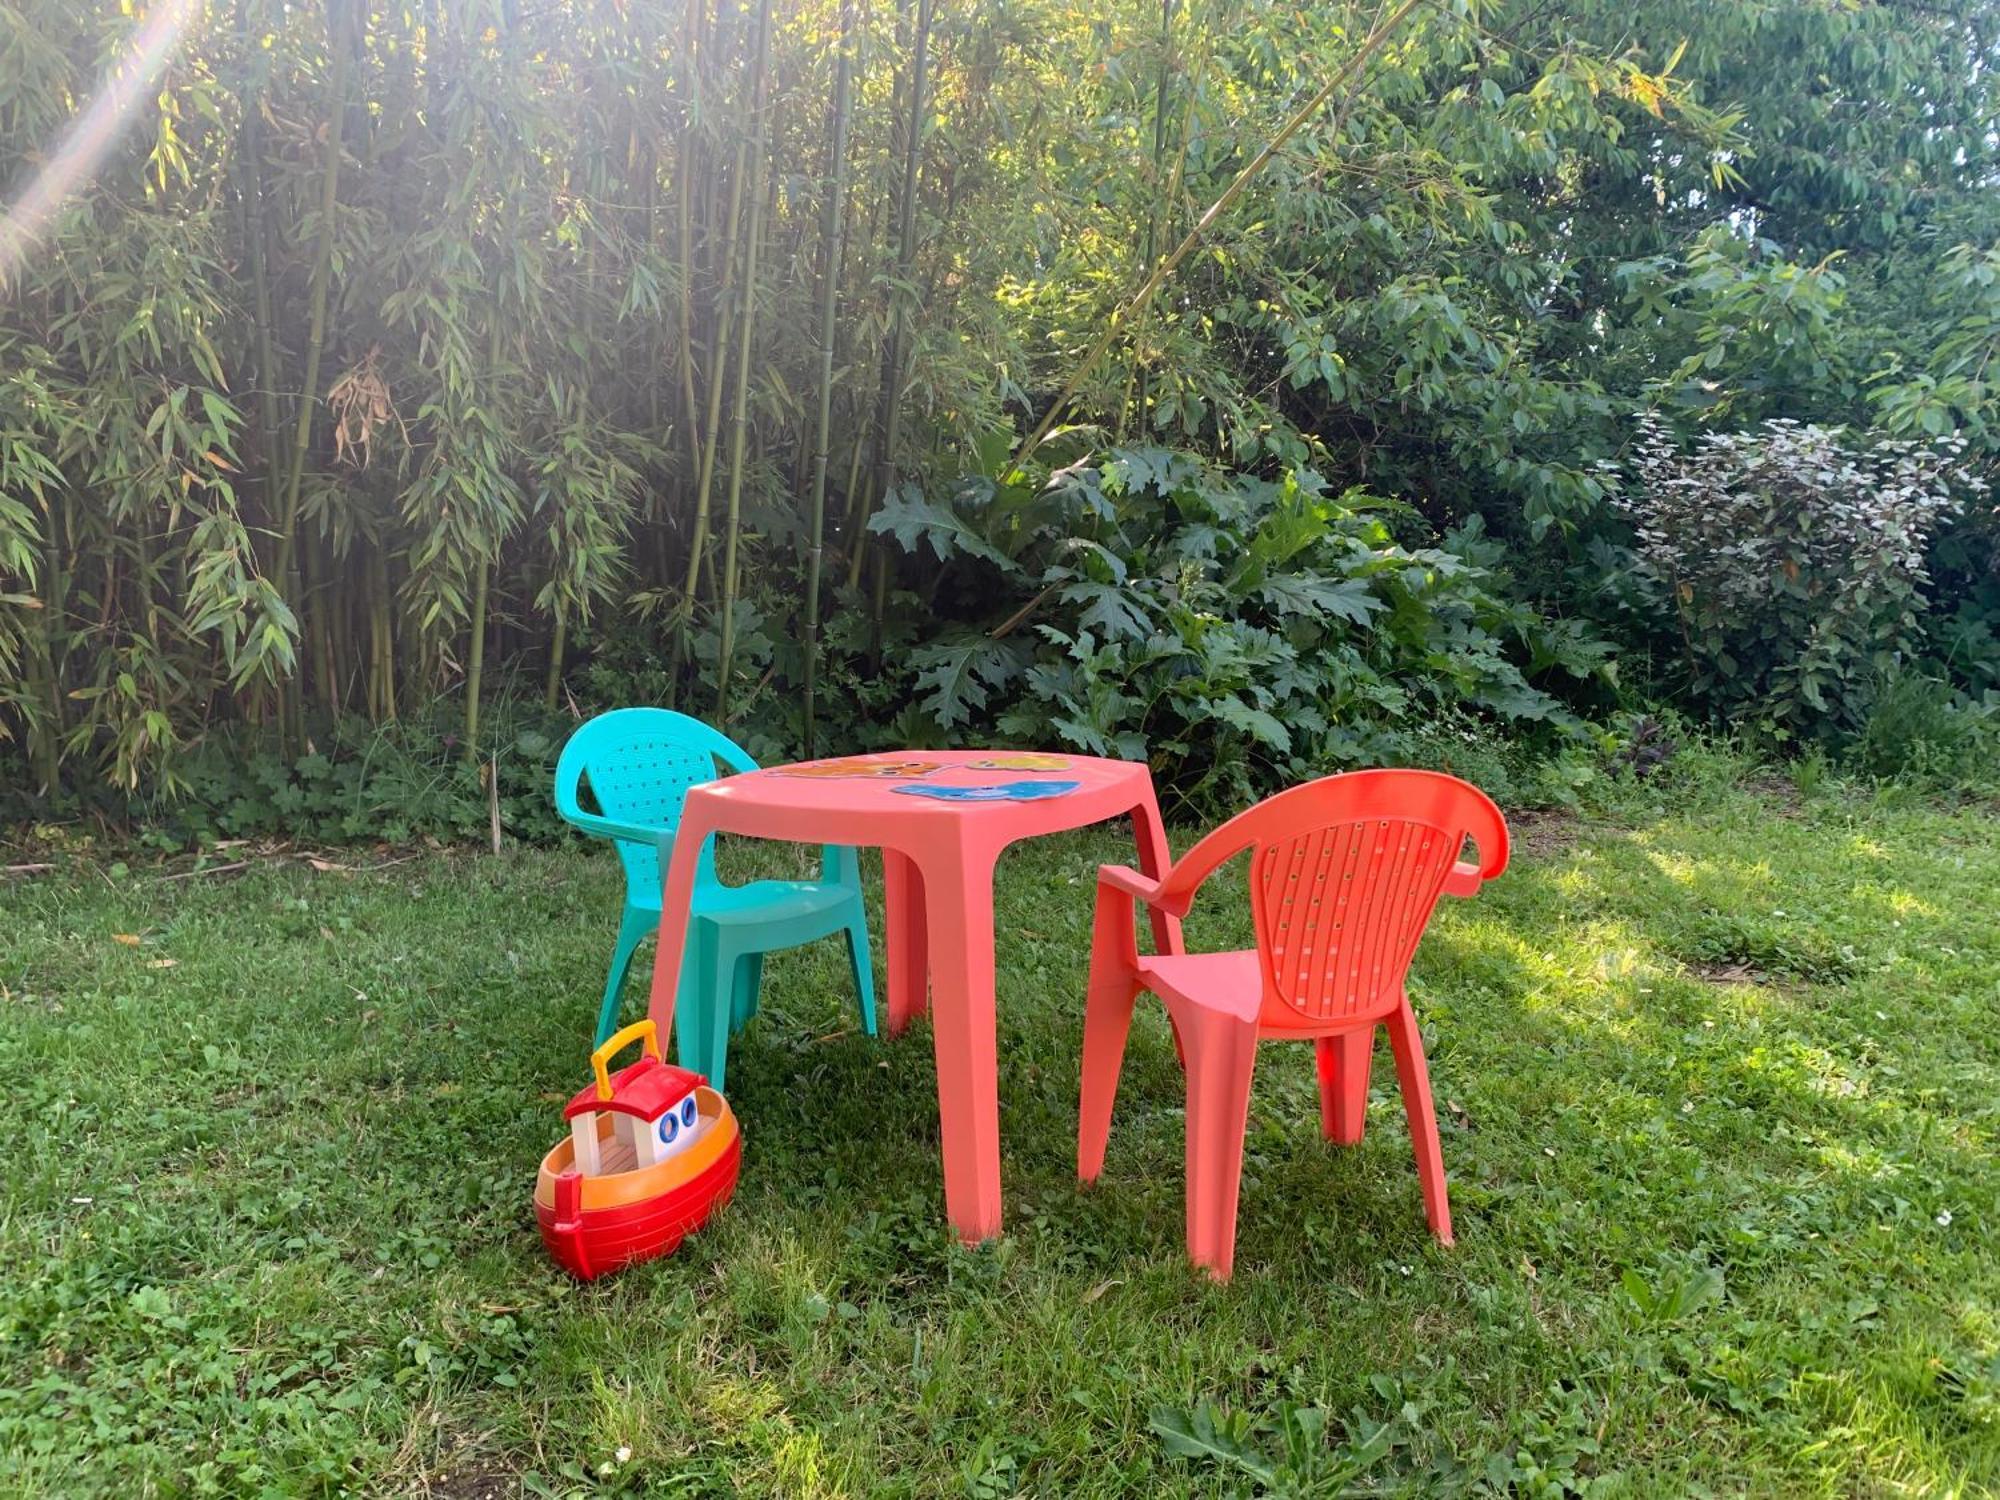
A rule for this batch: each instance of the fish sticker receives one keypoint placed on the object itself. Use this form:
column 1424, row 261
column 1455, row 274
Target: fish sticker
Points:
column 860, row 767
column 1022, row 762
column 1005, row 791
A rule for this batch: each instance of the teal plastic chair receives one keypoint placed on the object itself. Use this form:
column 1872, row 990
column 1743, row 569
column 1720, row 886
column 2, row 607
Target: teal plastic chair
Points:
column 639, row 764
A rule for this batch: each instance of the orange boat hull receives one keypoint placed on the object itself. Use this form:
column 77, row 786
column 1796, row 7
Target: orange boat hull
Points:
column 595, row 1225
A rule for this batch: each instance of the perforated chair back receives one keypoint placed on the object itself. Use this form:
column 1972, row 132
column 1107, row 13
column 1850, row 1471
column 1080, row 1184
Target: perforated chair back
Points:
column 637, row 765
column 1344, row 874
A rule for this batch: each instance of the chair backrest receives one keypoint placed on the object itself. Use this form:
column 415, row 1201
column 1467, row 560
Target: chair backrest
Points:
column 1344, row 874
column 639, row 763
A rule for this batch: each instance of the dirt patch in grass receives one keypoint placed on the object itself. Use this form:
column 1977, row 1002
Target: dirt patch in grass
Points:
column 1543, row 832
column 1780, row 791
column 489, row 1484
column 1739, row 974
column 1739, row 960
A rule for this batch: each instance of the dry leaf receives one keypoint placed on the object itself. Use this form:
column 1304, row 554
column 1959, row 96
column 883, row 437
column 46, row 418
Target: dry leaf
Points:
column 161, row 963
column 1099, row 1290
column 323, row 865
column 360, row 403
column 129, row 939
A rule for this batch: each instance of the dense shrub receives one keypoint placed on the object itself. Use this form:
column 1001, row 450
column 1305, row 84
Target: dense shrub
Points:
column 1962, row 635
column 1235, row 631
column 1919, row 730
column 1790, row 558
column 1238, row 632
column 356, row 781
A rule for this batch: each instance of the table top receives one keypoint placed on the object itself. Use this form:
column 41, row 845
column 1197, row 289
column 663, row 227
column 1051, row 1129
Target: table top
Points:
column 749, row 802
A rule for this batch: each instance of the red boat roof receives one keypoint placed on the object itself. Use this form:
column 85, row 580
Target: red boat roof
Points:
column 648, row 1089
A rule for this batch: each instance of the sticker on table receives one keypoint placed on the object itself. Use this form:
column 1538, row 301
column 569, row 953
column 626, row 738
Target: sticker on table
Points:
column 860, row 767
column 1005, row 791
column 1022, row 762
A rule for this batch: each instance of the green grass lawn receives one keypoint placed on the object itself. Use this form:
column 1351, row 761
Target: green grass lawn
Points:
column 1720, row 1087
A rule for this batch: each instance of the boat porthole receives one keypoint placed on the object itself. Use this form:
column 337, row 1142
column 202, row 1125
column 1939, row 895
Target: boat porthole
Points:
column 687, row 1113
column 669, row 1128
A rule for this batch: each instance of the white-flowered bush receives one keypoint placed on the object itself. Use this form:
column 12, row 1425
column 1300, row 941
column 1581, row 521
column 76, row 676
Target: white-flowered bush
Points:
column 1792, row 557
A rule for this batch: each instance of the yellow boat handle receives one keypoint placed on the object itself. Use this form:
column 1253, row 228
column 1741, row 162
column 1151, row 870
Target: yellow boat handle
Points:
column 615, row 1043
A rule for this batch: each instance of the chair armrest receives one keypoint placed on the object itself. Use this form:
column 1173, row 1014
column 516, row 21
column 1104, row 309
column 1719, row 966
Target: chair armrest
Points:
column 608, row 828
column 1130, row 881
column 1152, row 892
column 1464, row 879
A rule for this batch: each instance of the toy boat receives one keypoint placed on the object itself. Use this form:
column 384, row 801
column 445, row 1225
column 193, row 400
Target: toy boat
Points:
column 653, row 1152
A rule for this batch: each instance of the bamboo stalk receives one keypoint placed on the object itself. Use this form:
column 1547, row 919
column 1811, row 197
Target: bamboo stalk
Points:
column 475, row 662
column 322, row 277
column 1153, row 211
column 889, row 420
column 381, row 662
column 746, row 330
column 698, row 543
column 833, row 217
column 862, row 420
column 45, row 735
column 321, row 612
column 855, row 505
column 493, row 800
column 387, row 627
column 1142, row 298
column 683, row 229
column 250, row 176
column 552, row 688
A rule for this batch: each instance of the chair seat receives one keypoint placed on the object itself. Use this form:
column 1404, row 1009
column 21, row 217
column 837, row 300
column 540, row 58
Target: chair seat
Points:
column 769, row 900
column 758, row 901
column 1231, row 983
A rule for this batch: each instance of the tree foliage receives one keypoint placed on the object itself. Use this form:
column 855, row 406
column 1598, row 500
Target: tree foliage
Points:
column 395, row 346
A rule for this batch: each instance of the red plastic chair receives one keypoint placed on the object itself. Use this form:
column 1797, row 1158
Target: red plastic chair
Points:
column 1344, row 873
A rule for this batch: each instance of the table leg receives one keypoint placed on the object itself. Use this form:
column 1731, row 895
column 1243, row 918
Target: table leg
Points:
column 905, row 939
column 959, row 905
column 1155, row 859
column 676, row 902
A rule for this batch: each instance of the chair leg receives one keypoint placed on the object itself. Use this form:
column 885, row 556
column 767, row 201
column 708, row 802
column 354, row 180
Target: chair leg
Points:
column 1113, row 986
column 864, row 970
column 1107, row 1019
column 692, row 1021
column 1414, row 1075
column 1344, row 1061
column 632, row 929
column 1221, row 1057
column 746, row 982
column 722, row 984
column 844, row 865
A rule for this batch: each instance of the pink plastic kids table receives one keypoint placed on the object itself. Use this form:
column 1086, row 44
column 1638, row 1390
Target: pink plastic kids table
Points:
column 937, row 860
